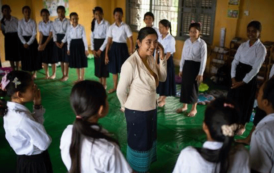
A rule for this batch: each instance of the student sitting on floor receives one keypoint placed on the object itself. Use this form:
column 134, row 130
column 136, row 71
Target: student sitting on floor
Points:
column 261, row 146
column 85, row 146
column 217, row 153
column 24, row 130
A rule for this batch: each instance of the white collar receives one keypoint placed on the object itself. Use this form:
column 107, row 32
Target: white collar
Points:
column 102, row 22
column 17, row 106
column 27, row 21
column 256, row 42
column 11, row 18
column 58, row 19
column 213, row 145
column 120, row 24
column 266, row 119
column 168, row 35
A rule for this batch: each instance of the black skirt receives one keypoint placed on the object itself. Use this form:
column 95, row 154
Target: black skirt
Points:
column 101, row 69
column 47, row 54
column 30, row 58
column 141, row 137
column 12, row 47
column 77, row 57
column 117, row 56
column 39, row 163
column 244, row 96
column 168, row 88
column 60, row 54
column 189, row 86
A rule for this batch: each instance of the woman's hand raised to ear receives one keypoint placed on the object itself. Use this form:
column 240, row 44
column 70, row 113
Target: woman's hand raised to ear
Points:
column 37, row 96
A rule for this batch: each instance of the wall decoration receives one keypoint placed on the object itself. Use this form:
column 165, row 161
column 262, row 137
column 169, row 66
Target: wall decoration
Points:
column 52, row 5
column 233, row 2
column 232, row 13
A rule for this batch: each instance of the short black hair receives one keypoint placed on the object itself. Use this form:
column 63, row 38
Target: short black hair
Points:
column 97, row 9
column 195, row 25
column 61, row 7
column 5, row 7
column 118, row 10
column 73, row 14
column 149, row 14
column 26, row 7
column 268, row 91
column 255, row 24
column 44, row 11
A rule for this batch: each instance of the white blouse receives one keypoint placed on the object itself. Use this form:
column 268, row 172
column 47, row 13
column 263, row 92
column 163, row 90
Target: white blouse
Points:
column 157, row 30
column 10, row 25
column 25, row 131
column 27, row 29
column 120, row 33
column 190, row 160
column 196, row 51
column 100, row 32
column 137, row 87
column 251, row 55
column 45, row 28
column 60, row 27
column 97, row 156
column 271, row 72
column 77, row 32
column 261, row 146
column 168, row 43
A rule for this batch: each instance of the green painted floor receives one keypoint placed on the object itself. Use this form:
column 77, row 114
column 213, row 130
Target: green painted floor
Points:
column 175, row 131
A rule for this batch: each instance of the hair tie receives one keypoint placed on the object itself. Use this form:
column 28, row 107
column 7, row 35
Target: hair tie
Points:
column 193, row 21
column 78, row 117
column 229, row 130
column 228, row 105
column 16, row 82
column 4, row 82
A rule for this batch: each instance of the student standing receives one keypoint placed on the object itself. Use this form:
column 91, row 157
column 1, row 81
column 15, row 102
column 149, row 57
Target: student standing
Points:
column 27, row 34
column 46, row 44
column 245, row 67
column 167, row 88
column 192, row 67
column 98, row 44
column 117, row 34
column 77, row 46
column 60, row 26
column 9, row 26
column 149, row 19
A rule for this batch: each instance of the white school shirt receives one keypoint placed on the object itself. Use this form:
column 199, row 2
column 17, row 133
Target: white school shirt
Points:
column 60, row 27
column 97, row 156
column 77, row 32
column 100, row 32
column 168, row 43
column 10, row 25
column 119, row 34
column 27, row 29
column 157, row 30
column 45, row 28
column 196, row 51
column 271, row 74
column 253, row 56
column 262, row 146
column 25, row 131
column 191, row 161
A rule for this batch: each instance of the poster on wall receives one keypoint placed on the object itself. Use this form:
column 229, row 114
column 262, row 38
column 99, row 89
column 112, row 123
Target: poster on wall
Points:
column 52, row 5
column 232, row 13
column 233, row 2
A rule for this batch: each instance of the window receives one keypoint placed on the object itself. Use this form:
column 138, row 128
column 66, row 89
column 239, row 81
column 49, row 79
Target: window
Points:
column 179, row 12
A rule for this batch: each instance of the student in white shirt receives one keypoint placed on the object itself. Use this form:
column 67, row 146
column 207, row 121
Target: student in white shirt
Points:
column 149, row 19
column 167, row 88
column 98, row 44
column 117, row 35
column 140, row 76
column 27, row 34
column 24, row 130
column 192, row 67
column 245, row 66
column 217, row 154
column 9, row 26
column 261, row 146
column 46, row 44
column 77, row 46
column 85, row 146
column 60, row 26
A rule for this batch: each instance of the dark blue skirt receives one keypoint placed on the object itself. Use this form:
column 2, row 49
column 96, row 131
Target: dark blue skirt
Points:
column 244, row 96
column 168, row 88
column 12, row 47
column 141, row 136
column 60, row 54
column 117, row 56
column 47, row 54
column 77, row 57
column 101, row 69
column 30, row 59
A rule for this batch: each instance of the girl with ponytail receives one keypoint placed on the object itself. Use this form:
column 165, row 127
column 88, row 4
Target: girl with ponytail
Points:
column 217, row 155
column 85, row 145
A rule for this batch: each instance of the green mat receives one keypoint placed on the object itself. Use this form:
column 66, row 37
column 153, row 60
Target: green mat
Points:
column 175, row 131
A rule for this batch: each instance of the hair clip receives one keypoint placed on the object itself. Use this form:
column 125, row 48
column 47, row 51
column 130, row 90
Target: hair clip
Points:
column 229, row 130
column 78, row 117
column 193, row 21
column 228, row 105
column 4, row 81
column 16, row 82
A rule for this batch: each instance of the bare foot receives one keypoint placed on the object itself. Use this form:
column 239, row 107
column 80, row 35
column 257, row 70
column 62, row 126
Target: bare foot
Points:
column 106, row 87
column 47, row 77
column 192, row 113
column 159, row 100
column 34, row 76
column 161, row 104
column 64, row 78
column 180, row 110
column 241, row 130
column 53, row 76
column 243, row 141
column 112, row 90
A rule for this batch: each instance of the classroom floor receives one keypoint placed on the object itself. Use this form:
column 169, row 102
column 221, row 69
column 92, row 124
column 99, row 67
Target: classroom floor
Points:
column 175, row 131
